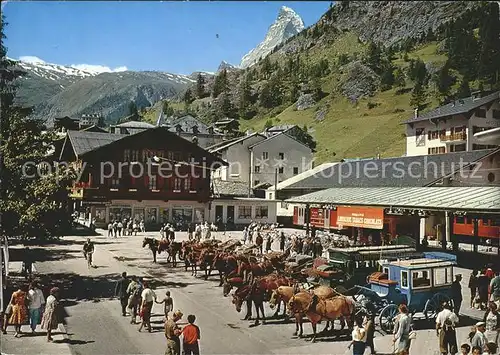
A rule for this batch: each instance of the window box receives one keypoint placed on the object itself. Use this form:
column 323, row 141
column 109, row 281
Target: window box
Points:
column 177, row 191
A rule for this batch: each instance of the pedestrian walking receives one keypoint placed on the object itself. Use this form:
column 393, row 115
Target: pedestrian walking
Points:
column 120, row 228
column 358, row 342
column 141, row 226
column 115, row 228
column 473, row 287
column 110, row 229
column 172, row 333
column 88, row 252
column 50, row 320
column 456, row 294
column 492, row 321
column 259, row 241
column 282, row 241
column 401, row 338
column 168, row 304
column 190, row 337
column 6, row 317
column 483, row 284
column 369, row 325
column 479, row 339
column 245, row 235
column 19, row 315
column 495, row 288
column 190, row 231
column 134, row 291
column 148, row 297
column 446, row 322
column 27, row 263
column 121, row 292
column 269, row 242
column 36, row 304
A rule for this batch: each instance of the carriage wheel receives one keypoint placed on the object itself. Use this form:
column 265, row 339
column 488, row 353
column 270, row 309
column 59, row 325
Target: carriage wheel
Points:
column 387, row 317
column 433, row 305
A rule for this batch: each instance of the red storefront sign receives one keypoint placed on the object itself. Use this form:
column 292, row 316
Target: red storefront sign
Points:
column 317, row 217
column 361, row 217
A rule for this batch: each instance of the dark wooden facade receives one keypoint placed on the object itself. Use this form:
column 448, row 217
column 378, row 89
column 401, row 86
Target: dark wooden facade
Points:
column 185, row 167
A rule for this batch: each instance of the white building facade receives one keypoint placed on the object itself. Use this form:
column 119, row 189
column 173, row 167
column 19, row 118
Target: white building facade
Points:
column 451, row 128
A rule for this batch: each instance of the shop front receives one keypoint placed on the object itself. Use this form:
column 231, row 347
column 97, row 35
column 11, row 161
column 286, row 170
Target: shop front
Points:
column 364, row 224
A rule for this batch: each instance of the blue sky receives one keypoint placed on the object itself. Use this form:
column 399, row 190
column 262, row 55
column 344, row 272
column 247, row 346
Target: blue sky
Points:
column 179, row 37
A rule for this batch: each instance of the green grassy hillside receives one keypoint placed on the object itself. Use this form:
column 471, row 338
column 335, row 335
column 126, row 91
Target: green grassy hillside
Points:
column 370, row 127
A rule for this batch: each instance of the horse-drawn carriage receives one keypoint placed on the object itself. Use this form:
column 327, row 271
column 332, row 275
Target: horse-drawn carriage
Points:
column 422, row 284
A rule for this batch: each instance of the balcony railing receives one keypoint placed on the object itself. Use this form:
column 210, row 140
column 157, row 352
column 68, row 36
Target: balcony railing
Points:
column 460, row 136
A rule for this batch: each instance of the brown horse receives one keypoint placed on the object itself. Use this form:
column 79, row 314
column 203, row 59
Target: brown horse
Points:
column 226, row 264
column 230, row 282
column 317, row 309
column 250, row 269
column 153, row 245
column 285, row 293
column 250, row 293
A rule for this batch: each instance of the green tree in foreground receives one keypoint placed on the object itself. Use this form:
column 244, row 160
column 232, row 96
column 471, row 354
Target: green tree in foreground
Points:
column 418, row 96
column 34, row 193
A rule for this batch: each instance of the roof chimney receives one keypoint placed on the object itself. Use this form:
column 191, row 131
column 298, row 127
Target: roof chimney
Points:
column 476, row 95
column 416, row 112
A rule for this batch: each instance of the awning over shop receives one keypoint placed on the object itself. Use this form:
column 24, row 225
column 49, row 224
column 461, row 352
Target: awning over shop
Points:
column 477, row 199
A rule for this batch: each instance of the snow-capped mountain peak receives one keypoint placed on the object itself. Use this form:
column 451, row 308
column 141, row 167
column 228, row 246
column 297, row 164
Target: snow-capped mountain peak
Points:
column 287, row 25
column 50, row 71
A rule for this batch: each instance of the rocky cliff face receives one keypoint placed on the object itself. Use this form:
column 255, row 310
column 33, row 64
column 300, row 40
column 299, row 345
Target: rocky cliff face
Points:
column 287, row 25
column 392, row 22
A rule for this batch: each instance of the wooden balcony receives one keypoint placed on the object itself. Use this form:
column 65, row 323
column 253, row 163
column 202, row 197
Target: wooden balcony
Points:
column 455, row 137
column 105, row 193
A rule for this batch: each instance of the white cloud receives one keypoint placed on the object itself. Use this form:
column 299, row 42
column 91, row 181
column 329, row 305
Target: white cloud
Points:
column 97, row 69
column 3, row 3
column 31, row 59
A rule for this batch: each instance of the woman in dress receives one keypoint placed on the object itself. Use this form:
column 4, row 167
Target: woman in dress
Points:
column 402, row 331
column 50, row 320
column 19, row 314
column 473, row 287
column 492, row 320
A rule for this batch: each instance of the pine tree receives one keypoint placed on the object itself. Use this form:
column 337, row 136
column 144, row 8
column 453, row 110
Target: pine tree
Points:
column 220, row 84
column 294, row 91
column 167, row 109
column 399, row 78
column 132, row 111
column 188, row 99
column 418, row 96
column 266, row 68
column 489, row 56
column 34, row 193
column 268, row 124
column 374, row 57
column 463, row 90
column 387, row 78
column 444, row 80
column 316, row 90
column 226, row 106
column 462, row 47
column 245, row 97
column 200, row 86
column 417, row 71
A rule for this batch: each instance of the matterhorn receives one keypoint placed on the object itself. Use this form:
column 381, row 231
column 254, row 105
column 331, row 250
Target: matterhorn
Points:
column 287, row 25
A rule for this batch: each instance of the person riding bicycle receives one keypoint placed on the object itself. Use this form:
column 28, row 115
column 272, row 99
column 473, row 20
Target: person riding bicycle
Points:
column 88, row 250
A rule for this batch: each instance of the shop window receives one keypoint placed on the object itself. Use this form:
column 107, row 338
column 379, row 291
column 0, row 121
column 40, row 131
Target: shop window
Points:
column 164, row 215
column 151, row 215
column 135, row 155
column 245, row 212
column 404, row 279
column 421, row 278
column 460, row 220
column 126, row 155
column 100, row 214
column 458, row 148
column 177, row 184
column 480, row 112
column 152, row 182
column 496, row 114
column 295, row 170
column 261, row 212
column 187, row 184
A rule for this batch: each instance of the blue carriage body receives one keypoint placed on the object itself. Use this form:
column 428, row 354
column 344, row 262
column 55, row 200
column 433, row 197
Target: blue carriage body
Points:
column 415, row 281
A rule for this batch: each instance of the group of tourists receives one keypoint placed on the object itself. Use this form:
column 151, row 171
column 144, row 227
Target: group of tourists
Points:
column 28, row 305
column 137, row 295
column 126, row 227
column 484, row 286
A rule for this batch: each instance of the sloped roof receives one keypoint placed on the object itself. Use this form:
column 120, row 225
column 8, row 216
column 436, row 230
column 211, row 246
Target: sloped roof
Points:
column 410, row 171
column 94, row 128
column 236, row 141
column 433, row 198
column 456, row 107
column 135, row 124
column 231, row 188
column 84, row 142
column 275, row 136
column 284, row 127
column 303, row 175
column 187, row 123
